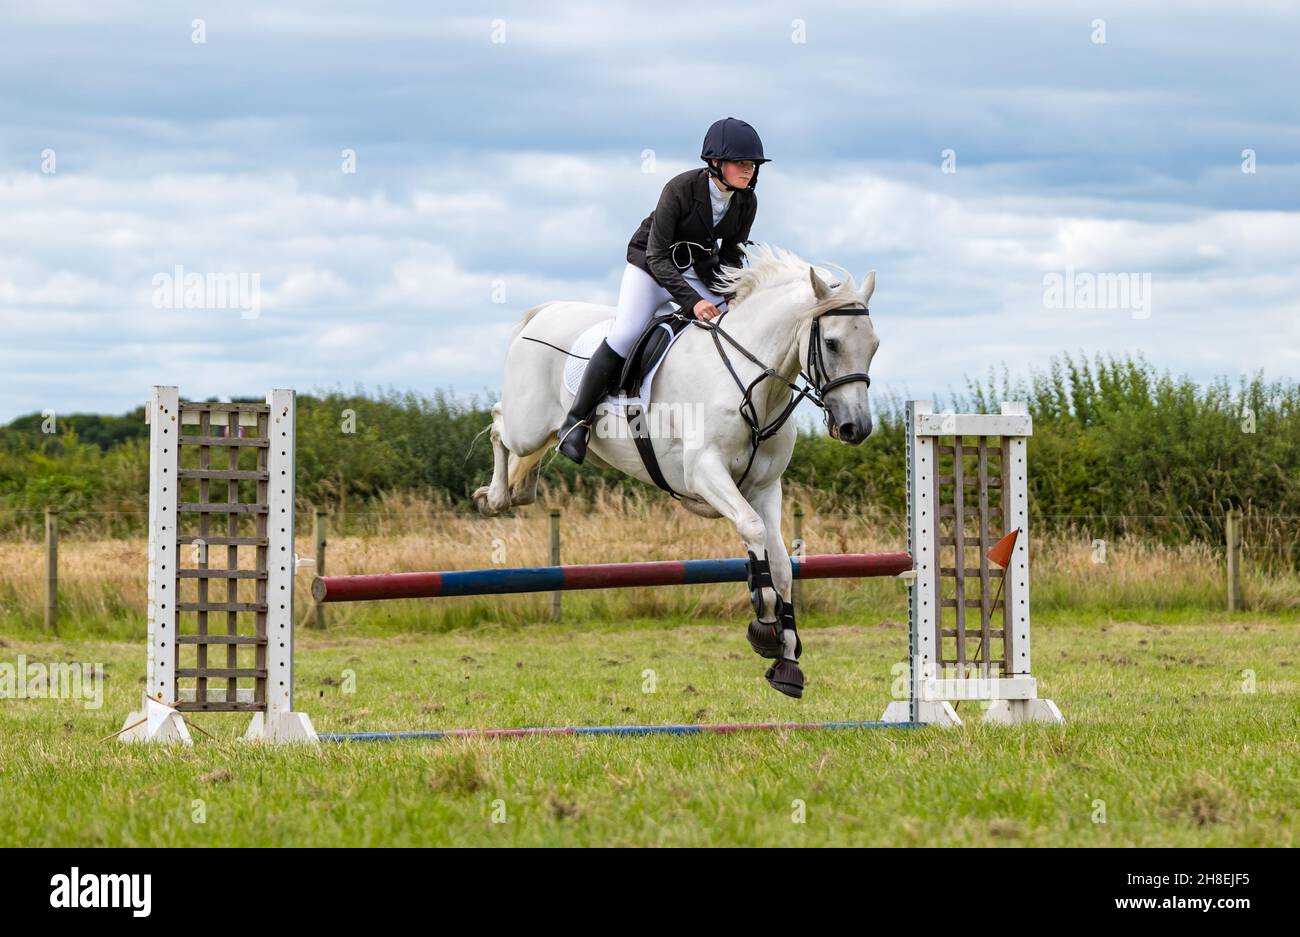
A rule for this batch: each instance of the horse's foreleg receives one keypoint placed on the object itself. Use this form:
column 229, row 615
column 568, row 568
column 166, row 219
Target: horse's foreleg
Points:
column 767, row 501
column 710, row 480
column 712, row 483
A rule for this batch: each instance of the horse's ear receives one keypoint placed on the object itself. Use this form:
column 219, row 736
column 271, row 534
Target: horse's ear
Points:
column 868, row 287
column 820, row 290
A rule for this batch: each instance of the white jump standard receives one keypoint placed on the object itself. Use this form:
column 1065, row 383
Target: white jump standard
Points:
column 257, row 537
column 940, row 470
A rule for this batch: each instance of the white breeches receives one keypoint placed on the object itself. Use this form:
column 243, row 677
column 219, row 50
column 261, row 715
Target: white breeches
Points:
column 638, row 297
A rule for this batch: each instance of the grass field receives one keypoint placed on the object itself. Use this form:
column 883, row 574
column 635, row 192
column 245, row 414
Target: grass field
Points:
column 1183, row 733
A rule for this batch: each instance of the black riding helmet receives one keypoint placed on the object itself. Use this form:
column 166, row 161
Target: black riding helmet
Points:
column 733, row 139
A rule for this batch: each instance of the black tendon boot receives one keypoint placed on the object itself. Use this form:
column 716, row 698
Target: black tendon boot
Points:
column 598, row 380
column 764, row 636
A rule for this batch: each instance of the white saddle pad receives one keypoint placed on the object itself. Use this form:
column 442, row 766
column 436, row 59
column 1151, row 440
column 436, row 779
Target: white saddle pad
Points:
column 587, row 343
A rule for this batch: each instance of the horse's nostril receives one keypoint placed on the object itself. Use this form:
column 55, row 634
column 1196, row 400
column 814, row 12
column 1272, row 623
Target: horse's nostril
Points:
column 847, row 430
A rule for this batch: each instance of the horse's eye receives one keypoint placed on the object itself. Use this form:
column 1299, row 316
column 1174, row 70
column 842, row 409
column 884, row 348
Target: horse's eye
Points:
column 832, row 345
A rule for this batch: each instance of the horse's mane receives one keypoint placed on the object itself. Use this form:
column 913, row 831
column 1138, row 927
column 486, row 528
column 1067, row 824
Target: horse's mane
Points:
column 775, row 266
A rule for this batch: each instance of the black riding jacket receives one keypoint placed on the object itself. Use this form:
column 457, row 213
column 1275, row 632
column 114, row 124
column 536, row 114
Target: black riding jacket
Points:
column 684, row 213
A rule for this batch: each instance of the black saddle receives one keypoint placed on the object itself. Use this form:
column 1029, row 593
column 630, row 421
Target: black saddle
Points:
column 648, row 349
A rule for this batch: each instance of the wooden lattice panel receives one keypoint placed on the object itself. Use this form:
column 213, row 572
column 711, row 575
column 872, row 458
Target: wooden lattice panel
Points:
column 971, row 626
column 221, row 550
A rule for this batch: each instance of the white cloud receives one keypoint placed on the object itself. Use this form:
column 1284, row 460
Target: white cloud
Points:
column 518, row 167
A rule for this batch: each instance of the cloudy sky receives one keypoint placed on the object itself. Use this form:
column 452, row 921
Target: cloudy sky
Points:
column 504, row 153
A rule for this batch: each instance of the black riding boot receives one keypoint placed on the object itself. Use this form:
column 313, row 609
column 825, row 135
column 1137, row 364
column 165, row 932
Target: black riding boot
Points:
column 600, row 379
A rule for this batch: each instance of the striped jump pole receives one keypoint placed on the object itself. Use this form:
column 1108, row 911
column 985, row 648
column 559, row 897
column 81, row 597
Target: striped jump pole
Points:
column 595, row 576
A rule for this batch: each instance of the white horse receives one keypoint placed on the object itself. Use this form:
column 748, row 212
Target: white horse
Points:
column 788, row 319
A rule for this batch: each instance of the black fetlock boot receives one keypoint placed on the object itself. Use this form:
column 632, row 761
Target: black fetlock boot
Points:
column 598, row 380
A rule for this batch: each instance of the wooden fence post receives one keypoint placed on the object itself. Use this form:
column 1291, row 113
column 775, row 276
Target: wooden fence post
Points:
column 555, row 561
column 1233, row 529
column 51, row 571
column 796, row 587
column 318, row 535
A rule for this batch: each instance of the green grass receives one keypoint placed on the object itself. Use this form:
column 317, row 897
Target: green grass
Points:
column 1159, row 734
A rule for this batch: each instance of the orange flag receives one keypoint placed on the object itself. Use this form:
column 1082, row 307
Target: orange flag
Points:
column 1001, row 552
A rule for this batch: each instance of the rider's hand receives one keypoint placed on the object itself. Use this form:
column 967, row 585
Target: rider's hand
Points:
column 705, row 310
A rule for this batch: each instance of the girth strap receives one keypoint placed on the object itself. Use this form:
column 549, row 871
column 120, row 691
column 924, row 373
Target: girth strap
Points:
column 644, row 445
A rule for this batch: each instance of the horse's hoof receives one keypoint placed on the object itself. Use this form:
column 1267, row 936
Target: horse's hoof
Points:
column 764, row 638
column 483, row 502
column 786, row 676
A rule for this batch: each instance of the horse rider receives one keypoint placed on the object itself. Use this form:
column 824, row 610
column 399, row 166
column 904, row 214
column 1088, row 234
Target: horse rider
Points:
column 674, row 255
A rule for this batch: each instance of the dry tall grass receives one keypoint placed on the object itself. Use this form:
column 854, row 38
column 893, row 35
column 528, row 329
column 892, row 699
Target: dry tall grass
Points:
column 104, row 581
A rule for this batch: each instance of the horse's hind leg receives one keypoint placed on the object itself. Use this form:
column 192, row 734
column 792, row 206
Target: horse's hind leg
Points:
column 530, row 410
column 514, row 476
column 522, row 475
column 494, row 497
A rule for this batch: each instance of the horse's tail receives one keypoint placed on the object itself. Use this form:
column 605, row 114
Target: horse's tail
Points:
column 528, row 317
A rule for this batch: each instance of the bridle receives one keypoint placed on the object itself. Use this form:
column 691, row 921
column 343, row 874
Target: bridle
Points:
column 816, row 385
column 822, row 381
